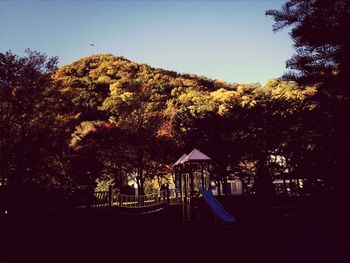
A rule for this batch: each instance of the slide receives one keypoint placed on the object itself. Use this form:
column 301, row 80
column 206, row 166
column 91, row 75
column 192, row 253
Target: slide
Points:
column 217, row 208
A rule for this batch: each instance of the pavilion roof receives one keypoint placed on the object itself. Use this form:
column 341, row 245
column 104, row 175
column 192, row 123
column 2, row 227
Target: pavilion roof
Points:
column 181, row 159
column 196, row 156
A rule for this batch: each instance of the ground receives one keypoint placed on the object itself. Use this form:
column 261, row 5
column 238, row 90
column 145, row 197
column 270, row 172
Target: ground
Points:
column 283, row 232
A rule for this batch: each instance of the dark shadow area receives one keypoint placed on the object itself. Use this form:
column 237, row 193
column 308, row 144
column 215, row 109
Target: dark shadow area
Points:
column 289, row 231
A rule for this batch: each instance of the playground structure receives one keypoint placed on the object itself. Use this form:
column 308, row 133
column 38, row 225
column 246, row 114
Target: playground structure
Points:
column 192, row 173
column 192, row 181
column 192, row 186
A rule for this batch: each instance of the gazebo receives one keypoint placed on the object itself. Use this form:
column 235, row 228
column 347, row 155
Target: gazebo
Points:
column 192, row 173
column 192, row 170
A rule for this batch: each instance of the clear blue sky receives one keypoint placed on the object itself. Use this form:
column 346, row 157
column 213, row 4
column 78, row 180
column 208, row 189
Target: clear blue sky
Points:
column 228, row 40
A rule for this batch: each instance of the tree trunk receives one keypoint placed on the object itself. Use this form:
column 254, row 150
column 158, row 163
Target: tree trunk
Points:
column 141, row 183
column 263, row 184
column 224, row 186
column 244, row 190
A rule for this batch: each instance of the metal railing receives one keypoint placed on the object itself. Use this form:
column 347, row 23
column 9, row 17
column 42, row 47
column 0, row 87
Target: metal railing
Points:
column 141, row 200
column 101, row 199
column 111, row 198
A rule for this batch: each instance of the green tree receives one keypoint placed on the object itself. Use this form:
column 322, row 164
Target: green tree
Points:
column 319, row 30
column 137, row 110
column 27, row 94
column 321, row 37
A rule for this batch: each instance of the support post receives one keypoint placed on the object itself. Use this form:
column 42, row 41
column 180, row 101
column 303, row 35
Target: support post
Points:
column 191, row 179
column 285, row 187
column 110, row 196
column 167, row 193
column 298, row 186
column 202, row 177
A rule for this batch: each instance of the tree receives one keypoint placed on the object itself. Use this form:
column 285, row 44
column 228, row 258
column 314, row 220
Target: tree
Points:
column 26, row 106
column 135, row 108
column 321, row 37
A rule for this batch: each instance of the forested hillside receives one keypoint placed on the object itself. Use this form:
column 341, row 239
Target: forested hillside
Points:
column 113, row 119
column 137, row 119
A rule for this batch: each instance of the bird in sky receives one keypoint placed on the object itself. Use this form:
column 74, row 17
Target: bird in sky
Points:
column 92, row 45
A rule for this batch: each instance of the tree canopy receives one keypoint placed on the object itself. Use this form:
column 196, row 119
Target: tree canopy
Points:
column 320, row 31
column 112, row 119
column 26, row 107
column 155, row 114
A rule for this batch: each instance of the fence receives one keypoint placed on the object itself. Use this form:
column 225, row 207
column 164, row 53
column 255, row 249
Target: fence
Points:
column 102, row 199
column 110, row 198
column 141, row 200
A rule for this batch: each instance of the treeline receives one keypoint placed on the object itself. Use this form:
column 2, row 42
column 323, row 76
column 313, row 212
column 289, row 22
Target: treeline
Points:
column 107, row 118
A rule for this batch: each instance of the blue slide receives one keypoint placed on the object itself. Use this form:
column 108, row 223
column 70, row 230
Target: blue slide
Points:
column 217, row 208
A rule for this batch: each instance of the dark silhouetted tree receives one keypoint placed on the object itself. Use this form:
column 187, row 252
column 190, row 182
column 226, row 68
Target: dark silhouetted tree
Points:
column 320, row 31
column 26, row 107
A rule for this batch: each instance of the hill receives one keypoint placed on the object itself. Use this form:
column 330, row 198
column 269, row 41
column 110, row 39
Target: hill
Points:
column 135, row 119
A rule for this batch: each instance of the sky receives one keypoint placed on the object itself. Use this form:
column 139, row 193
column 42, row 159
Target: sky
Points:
column 227, row 40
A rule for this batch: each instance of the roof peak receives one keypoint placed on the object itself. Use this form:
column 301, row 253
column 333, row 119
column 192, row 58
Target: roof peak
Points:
column 197, row 155
column 181, row 159
column 194, row 156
